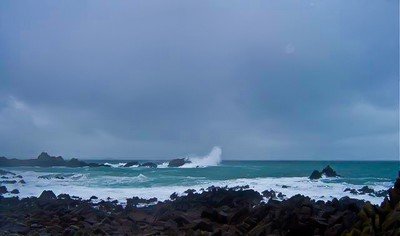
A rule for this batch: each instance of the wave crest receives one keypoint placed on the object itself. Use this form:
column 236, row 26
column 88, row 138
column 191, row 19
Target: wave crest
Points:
column 212, row 159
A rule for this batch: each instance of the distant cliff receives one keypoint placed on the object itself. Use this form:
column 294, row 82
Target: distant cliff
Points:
column 45, row 160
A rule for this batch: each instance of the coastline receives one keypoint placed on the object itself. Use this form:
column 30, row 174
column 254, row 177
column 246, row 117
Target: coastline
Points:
column 215, row 211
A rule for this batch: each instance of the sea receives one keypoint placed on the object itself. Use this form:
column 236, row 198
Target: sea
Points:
column 288, row 177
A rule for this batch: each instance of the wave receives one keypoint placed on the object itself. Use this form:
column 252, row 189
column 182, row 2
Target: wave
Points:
column 122, row 187
column 121, row 164
column 212, row 159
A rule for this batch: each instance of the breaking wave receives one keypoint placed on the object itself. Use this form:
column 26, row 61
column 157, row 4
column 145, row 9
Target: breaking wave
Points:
column 212, row 159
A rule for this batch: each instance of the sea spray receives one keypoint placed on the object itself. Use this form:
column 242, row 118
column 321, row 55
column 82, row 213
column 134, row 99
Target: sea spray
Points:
column 212, row 159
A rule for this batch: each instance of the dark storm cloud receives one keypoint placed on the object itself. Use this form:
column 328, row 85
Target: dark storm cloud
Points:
column 157, row 79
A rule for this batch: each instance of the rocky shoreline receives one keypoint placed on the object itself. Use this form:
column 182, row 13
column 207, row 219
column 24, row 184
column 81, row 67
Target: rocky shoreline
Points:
column 214, row 211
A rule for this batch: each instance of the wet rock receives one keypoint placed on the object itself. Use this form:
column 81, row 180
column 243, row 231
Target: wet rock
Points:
column 366, row 190
column 269, row 193
column 15, row 191
column 178, row 162
column 329, row 172
column 315, row 175
column 131, row 163
column 351, row 190
column 148, row 164
column 173, row 196
column 22, row 181
column 93, row 198
column 47, row 195
column 3, row 189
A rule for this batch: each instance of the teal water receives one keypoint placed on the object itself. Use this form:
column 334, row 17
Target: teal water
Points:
column 121, row 182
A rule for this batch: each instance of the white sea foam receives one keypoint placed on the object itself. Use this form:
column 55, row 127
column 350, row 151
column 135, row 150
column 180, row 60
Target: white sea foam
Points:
column 122, row 187
column 212, row 159
column 121, row 164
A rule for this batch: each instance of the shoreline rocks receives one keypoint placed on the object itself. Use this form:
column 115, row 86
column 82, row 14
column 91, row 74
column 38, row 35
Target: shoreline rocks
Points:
column 214, row 211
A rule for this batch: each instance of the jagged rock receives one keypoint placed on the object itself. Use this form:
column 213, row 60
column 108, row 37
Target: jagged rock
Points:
column 366, row 190
column 315, row 175
column 22, row 181
column 47, row 195
column 269, row 193
column 148, row 164
column 178, row 162
column 15, row 191
column 329, row 172
column 131, row 163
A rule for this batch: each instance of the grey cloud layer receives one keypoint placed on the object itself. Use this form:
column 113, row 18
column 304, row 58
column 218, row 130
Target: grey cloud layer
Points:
column 157, row 79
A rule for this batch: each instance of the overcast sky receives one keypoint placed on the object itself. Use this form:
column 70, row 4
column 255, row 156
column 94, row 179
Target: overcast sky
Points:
column 158, row 79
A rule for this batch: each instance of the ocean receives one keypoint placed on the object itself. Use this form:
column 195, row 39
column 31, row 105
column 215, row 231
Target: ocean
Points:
column 288, row 177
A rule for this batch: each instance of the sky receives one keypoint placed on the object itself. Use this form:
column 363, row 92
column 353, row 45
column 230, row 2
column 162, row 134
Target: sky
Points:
column 156, row 79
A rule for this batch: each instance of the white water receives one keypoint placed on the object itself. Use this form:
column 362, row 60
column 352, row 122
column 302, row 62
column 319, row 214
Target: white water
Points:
column 83, row 186
column 212, row 159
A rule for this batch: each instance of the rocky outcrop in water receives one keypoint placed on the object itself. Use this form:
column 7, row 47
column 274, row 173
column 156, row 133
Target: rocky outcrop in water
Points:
column 45, row 160
column 178, row 162
column 327, row 172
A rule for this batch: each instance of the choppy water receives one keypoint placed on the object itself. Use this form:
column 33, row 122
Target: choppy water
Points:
column 121, row 182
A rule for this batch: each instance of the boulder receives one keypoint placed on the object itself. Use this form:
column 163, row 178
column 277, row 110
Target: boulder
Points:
column 178, row 162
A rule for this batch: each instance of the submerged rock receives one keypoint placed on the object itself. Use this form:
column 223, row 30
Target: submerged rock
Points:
column 178, row 162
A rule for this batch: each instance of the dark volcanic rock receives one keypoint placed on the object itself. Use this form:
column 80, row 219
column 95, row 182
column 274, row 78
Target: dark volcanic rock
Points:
column 15, row 191
column 3, row 189
column 47, row 195
column 329, row 172
column 215, row 211
column 178, row 162
column 131, row 163
column 315, row 175
column 149, row 164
